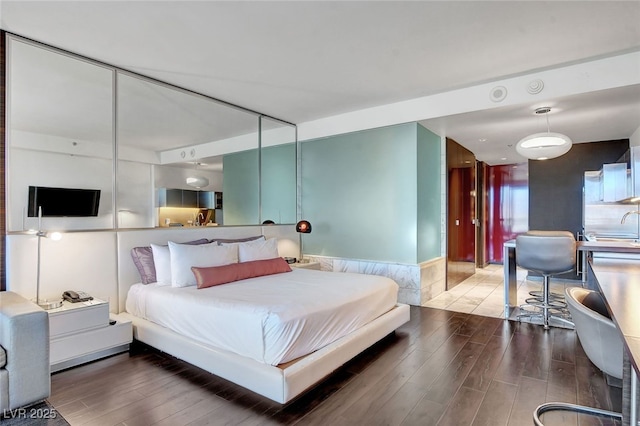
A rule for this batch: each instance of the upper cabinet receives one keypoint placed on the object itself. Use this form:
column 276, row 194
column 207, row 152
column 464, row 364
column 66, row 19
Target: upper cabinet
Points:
column 189, row 199
column 74, row 123
column 610, row 184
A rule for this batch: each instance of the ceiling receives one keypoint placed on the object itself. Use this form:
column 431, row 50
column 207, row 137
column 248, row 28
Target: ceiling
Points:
column 309, row 60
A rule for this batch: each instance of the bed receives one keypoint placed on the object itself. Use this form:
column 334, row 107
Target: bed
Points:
column 280, row 334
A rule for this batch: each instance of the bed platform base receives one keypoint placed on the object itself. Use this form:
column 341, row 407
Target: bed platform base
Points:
column 278, row 383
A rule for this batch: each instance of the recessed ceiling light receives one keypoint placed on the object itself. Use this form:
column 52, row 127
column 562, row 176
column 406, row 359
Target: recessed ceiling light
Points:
column 482, row 140
column 503, row 158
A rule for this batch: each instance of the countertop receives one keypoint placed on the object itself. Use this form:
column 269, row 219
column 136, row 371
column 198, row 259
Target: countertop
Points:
column 619, row 282
column 609, row 246
column 603, row 246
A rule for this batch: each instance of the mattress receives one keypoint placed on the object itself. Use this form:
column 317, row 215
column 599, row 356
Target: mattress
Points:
column 272, row 319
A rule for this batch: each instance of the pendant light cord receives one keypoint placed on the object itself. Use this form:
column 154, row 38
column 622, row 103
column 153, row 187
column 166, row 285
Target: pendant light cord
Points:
column 547, row 115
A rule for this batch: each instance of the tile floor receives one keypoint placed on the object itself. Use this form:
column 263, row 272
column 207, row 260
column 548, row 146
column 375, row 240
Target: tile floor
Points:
column 483, row 292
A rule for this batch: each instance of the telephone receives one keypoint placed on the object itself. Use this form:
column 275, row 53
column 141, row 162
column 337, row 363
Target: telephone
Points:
column 76, row 296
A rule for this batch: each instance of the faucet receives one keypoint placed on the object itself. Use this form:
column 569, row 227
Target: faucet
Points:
column 199, row 216
column 628, row 213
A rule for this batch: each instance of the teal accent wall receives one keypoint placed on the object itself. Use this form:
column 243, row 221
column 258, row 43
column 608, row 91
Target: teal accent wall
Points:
column 240, row 201
column 279, row 183
column 429, row 194
column 373, row 195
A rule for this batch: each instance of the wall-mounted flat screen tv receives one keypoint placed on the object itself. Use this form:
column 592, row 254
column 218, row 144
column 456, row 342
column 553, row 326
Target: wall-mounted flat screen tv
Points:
column 63, row 202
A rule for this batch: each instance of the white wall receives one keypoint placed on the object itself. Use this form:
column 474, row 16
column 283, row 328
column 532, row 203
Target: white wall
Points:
column 80, row 260
column 634, row 140
column 38, row 168
column 135, row 200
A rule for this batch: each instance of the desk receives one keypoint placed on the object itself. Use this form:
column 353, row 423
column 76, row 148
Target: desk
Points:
column 619, row 282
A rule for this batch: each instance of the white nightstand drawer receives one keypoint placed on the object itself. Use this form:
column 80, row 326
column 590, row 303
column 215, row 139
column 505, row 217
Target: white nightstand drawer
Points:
column 82, row 347
column 77, row 317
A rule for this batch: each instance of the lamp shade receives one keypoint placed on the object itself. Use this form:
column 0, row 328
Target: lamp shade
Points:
column 304, row 227
column 543, row 146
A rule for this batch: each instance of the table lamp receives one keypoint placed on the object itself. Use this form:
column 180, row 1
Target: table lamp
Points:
column 55, row 236
column 303, row 227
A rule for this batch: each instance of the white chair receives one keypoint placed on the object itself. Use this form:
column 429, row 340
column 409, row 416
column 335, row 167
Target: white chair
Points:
column 597, row 333
column 24, row 352
column 600, row 340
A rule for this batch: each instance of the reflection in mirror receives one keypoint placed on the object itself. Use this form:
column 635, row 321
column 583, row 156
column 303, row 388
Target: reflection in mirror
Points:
column 167, row 135
column 278, row 171
column 59, row 132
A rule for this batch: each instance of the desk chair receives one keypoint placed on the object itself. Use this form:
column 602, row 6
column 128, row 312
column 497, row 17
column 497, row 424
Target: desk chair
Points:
column 548, row 253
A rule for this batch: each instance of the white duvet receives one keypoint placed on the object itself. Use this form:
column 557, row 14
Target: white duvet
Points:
column 272, row 319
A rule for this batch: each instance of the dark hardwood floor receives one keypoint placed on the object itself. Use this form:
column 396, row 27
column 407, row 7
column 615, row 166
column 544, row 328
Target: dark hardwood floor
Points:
column 441, row 368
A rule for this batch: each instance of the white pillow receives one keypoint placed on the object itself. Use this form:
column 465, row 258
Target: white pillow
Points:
column 258, row 250
column 162, row 262
column 184, row 256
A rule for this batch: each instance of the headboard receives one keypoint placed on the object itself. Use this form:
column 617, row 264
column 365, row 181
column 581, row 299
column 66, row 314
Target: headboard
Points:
column 288, row 245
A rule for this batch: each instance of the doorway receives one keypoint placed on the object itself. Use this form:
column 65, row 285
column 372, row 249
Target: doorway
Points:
column 461, row 213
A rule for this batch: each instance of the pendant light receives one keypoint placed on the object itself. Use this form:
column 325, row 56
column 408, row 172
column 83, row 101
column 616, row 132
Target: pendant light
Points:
column 543, row 146
column 196, row 181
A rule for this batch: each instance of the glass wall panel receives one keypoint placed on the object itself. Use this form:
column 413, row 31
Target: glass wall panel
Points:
column 60, row 135
column 429, row 194
column 364, row 206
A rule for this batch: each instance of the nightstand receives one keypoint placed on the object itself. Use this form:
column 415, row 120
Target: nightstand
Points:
column 307, row 265
column 81, row 332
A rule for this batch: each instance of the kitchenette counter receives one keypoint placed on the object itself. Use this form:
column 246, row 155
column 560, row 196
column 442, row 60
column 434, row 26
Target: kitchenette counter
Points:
column 621, row 248
column 619, row 282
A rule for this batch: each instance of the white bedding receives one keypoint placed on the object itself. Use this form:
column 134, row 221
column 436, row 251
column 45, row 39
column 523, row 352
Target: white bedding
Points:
column 272, row 319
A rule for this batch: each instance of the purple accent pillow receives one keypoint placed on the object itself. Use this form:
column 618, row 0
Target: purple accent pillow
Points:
column 143, row 259
column 235, row 240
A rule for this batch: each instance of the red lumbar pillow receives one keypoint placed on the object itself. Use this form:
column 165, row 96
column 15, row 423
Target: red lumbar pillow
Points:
column 216, row 275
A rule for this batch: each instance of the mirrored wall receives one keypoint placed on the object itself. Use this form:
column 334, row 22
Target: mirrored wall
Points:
column 181, row 158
